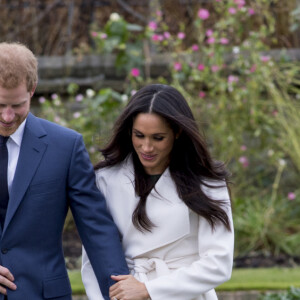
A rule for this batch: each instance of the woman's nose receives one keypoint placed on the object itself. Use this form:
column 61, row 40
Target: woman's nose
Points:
column 147, row 146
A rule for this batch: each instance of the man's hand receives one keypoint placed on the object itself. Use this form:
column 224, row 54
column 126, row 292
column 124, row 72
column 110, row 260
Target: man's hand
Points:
column 6, row 280
column 128, row 287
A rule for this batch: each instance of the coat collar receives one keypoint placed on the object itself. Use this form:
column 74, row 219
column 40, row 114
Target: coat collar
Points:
column 164, row 208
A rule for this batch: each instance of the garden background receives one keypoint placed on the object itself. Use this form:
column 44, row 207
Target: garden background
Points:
column 235, row 61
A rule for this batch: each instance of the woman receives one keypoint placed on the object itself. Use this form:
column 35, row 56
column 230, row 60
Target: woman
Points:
column 169, row 199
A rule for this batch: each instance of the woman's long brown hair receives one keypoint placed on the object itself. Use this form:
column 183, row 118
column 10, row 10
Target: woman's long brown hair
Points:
column 191, row 165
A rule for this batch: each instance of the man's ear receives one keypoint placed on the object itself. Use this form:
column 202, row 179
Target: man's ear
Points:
column 33, row 90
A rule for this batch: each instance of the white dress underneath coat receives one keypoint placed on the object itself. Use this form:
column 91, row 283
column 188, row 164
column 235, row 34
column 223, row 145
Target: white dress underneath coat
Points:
column 182, row 258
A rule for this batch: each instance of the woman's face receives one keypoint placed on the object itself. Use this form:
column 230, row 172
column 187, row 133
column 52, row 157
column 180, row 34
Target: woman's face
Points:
column 152, row 139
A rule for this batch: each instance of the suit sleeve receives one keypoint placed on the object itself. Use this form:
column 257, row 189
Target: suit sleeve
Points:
column 96, row 228
column 212, row 269
column 89, row 279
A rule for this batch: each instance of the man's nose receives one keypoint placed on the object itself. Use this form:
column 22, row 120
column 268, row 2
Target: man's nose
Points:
column 8, row 114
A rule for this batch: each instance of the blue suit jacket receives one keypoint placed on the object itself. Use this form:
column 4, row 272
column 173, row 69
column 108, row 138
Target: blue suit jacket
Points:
column 54, row 173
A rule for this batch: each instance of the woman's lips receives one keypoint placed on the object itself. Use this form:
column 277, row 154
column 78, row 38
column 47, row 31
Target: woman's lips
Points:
column 147, row 156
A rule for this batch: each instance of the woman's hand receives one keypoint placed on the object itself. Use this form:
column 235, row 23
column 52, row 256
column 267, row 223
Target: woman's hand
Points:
column 128, row 288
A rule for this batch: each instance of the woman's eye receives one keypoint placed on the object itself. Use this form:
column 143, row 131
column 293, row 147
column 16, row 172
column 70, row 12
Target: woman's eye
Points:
column 158, row 138
column 139, row 135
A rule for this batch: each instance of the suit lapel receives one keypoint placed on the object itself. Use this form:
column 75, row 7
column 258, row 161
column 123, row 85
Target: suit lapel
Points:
column 31, row 153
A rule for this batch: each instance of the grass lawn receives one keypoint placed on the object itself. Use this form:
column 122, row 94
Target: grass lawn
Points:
column 242, row 279
column 262, row 279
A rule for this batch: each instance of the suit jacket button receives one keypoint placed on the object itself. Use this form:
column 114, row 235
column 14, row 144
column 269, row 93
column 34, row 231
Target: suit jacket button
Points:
column 4, row 250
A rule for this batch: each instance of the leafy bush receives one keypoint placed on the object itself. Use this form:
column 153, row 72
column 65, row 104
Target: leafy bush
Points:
column 292, row 294
column 91, row 114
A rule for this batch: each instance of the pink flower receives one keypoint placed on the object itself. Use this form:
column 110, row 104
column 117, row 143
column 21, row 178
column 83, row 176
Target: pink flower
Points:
column 152, row 25
column 159, row 13
column 232, row 78
column 177, row 66
column 155, row 37
column 243, row 148
column 210, row 40
column 103, row 36
column 209, row 32
column 135, row 72
column 167, row 34
column 54, row 96
column 240, row 3
column 232, row 10
column 251, row 11
column 291, row 196
column 224, row 41
column 253, row 68
column 265, row 58
column 160, row 37
column 203, row 13
column 244, row 161
column 76, row 115
column 215, row 68
column 92, row 149
column 94, row 34
column 195, row 47
column 79, row 97
column 201, row 67
column 181, row 35
column 202, row 94
column 42, row 99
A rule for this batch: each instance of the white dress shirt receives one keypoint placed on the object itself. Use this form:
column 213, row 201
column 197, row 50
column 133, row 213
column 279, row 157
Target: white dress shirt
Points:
column 13, row 147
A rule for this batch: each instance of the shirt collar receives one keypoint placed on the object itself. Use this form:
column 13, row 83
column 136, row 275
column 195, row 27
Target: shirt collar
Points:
column 17, row 136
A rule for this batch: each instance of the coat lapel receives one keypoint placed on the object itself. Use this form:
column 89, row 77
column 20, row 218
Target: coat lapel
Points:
column 164, row 208
column 31, row 153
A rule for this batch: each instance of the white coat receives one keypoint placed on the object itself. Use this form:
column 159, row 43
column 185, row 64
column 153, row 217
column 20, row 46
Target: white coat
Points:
column 182, row 258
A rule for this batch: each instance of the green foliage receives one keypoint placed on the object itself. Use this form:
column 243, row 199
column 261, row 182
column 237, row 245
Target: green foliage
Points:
column 91, row 114
column 123, row 39
column 292, row 294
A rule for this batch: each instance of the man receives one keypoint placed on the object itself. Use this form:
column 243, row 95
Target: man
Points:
column 44, row 170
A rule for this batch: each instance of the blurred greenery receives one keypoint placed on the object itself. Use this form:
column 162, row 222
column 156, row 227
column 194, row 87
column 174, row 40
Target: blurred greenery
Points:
column 245, row 100
column 262, row 279
column 291, row 294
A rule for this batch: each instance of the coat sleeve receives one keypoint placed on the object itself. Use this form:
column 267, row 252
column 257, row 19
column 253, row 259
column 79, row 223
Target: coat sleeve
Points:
column 212, row 269
column 89, row 279
column 96, row 228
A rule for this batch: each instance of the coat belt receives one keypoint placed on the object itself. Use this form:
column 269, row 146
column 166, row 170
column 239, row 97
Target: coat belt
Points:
column 141, row 267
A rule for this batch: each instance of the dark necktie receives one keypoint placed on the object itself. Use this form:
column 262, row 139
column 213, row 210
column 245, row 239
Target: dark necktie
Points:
column 4, row 196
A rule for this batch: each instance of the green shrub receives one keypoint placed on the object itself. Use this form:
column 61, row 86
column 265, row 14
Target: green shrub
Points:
column 291, row 294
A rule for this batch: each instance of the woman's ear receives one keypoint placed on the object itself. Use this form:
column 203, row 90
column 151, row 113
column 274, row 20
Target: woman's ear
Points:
column 177, row 135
